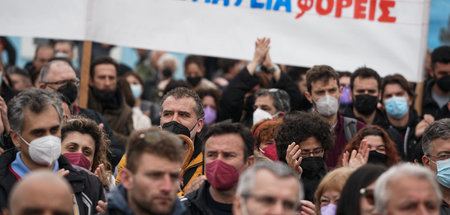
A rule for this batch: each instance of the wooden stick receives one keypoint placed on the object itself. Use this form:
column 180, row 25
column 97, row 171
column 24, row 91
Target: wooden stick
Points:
column 85, row 64
column 419, row 98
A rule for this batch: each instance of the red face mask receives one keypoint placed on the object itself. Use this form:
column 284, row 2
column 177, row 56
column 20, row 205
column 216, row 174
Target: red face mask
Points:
column 78, row 159
column 221, row 175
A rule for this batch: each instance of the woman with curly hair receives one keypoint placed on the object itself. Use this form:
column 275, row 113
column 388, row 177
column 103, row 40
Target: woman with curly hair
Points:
column 302, row 141
column 371, row 144
column 85, row 144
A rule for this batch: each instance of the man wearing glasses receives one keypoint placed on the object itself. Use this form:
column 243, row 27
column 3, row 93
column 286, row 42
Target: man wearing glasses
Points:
column 268, row 188
column 59, row 75
column 436, row 149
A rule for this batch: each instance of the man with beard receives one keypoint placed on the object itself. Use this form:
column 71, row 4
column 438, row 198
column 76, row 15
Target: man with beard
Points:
column 59, row 75
column 150, row 181
column 365, row 84
column 437, row 89
column 228, row 151
column 323, row 92
column 106, row 98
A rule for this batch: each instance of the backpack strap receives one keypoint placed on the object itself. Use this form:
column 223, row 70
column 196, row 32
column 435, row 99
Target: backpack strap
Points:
column 349, row 128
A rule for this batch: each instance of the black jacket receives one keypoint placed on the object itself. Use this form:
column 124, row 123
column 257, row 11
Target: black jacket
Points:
column 409, row 136
column 429, row 106
column 232, row 100
column 196, row 201
column 87, row 188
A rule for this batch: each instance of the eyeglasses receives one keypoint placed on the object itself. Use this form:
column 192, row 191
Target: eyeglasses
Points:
column 443, row 156
column 315, row 152
column 368, row 194
column 270, row 201
column 75, row 81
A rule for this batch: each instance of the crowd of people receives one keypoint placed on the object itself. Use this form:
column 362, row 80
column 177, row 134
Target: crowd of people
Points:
column 235, row 137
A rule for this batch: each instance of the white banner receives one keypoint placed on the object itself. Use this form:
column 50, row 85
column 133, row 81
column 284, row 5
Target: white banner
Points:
column 386, row 35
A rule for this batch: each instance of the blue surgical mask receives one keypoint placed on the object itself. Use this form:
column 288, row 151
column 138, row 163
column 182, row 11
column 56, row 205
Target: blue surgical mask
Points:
column 443, row 174
column 330, row 209
column 136, row 89
column 396, row 107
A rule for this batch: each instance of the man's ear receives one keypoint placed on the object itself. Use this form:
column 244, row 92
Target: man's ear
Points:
column 426, row 161
column 281, row 115
column 250, row 160
column 15, row 138
column 308, row 96
column 200, row 125
column 42, row 85
column 126, row 178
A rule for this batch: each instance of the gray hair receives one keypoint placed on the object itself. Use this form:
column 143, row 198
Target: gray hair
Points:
column 437, row 129
column 35, row 100
column 46, row 68
column 281, row 170
column 281, row 100
column 168, row 57
column 404, row 170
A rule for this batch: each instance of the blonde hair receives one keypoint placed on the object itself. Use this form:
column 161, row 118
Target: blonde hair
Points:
column 333, row 181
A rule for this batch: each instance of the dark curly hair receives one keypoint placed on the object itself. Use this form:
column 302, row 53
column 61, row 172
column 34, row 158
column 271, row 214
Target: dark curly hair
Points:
column 299, row 126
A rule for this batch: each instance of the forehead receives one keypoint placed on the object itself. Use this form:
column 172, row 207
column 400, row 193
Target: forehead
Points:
column 310, row 143
column 62, row 45
column 60, row 71
column 48, row 198
column 158, row 163
column 105, row 69
column 443, row 67
column 374, row 140
column 44, row 51
column 365, row 83
column 225, row 142
column 440, row 145
column 324, row 84
column 84, row 140
column 393, row 88
column 410, row 188
column 186, row 104
column 47, row 118
column 264, row 100
column 267, row 183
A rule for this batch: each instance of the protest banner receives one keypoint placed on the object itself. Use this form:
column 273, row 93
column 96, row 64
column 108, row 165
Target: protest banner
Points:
column 386, row 35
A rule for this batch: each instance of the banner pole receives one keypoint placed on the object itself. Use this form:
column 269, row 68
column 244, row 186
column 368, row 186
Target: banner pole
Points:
column 419, row 98
column 84, row 82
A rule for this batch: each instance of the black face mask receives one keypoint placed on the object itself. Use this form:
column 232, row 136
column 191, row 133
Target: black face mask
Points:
column 444, row 83
column 365, row 104
column 194, row 80
column 70, row 91
column 377, row 158
column 312, row 166
column 176, row 128
column 167, row 73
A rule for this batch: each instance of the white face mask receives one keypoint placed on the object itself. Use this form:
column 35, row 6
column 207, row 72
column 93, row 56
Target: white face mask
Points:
column 259, row 115
column 327, row 105
column 44, row 150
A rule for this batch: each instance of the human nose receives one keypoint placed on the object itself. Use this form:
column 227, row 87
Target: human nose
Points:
column 166, row 184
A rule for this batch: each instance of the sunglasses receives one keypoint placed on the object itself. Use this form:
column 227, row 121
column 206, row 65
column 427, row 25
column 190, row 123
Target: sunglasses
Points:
column 368, row 194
